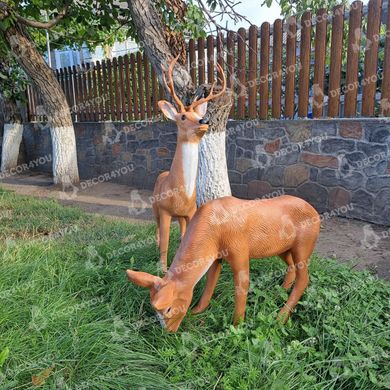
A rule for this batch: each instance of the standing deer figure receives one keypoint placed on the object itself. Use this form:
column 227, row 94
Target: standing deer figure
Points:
column 236, row 230
column 174, row 193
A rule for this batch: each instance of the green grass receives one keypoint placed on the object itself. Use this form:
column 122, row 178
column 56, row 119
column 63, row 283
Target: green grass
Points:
column 69, row 319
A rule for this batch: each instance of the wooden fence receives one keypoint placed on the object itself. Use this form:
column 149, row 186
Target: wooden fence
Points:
column 332, row 64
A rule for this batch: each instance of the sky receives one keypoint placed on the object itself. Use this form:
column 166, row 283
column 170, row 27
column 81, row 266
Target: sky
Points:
column 256, row 13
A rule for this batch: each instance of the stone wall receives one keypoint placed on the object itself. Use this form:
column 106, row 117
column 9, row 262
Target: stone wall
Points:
column 331, row 163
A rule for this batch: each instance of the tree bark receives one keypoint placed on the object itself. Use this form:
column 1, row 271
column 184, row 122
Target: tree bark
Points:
column 65, row 169
column 213, row 179
column 175, row 39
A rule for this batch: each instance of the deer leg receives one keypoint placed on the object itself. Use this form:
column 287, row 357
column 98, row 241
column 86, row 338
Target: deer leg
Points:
column 302, row 280
column 158, row 231
column 190, row 215
column 289, row 278
column 183, row 226
column 165, row 224
column 241, row 284
column 212, row 279
column 157, row 216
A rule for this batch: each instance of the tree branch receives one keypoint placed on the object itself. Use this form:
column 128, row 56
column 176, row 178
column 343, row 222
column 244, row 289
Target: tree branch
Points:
column 45, row 25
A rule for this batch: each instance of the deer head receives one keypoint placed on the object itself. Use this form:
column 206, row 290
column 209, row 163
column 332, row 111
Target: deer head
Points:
column 168, row 301
column 189, row 120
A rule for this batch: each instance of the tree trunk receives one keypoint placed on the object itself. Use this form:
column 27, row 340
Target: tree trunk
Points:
column 65, row 170
column 213, row 180
column 12, row 135
column 174, row 39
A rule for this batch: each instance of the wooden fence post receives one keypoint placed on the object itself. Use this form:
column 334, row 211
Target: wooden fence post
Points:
column 319, row 62
column 336, row 52
column 304, row 72
column 291, row 53
column 371, row 57
column 277, row 51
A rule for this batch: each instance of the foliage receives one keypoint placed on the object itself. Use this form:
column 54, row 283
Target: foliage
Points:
column 96, row 22
column 298, row 7
column 194, row 22
column 70, row 319
column 13, row 80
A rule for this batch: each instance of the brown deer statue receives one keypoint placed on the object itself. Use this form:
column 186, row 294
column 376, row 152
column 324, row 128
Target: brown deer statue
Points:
column 174, row 193
column 236, row 230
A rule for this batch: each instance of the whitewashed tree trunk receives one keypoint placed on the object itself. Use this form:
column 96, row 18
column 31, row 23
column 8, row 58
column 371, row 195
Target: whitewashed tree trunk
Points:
column 213, row 179
column 65, row 171
column 13, row 128
column 12, row 138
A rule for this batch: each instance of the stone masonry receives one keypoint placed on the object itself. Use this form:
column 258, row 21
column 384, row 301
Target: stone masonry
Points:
column 340, row 166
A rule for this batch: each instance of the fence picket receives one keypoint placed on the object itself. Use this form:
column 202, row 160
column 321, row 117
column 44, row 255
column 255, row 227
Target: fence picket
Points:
column 319, row 62
column 304, row 58
column 155, row 93
column 353, row 53
column 192, row 59
column 201, row 61
column 210, row 59
column 385, row 96
column 371, row 57
column 291, row 54
column 106, row 91
column 134, row 86
column 252, row 77
column 128, row 113
column 147, row 87
column 117, row 96
column 141, row 97
column 277, row 51
column 264, row 70
column 336, row 52
column 99, row 92
column 220, row 54
column 90, row 92
column 76, row 93
column 122, row 87
column 230, row 68
column 241, row 71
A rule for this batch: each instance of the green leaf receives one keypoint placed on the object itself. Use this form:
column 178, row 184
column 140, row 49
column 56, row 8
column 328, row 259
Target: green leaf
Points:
column 3, row 356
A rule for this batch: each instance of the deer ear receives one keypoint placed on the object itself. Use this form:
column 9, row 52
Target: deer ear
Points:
column 168, row 109
column 143, row 279
column 201, row 109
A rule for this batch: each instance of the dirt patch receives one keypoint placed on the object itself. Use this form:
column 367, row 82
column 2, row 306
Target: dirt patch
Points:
column 362, row 244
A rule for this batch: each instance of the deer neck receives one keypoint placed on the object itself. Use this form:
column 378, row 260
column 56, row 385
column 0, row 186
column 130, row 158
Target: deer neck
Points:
column 190, row 264
column 185, row 166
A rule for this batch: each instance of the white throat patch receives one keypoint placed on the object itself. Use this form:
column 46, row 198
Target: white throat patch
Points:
column 190, row 166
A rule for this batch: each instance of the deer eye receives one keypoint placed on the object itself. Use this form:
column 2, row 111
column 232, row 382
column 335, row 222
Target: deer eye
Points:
column 183, row 117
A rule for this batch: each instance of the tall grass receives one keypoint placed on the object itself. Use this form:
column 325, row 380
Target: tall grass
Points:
column 69, row 319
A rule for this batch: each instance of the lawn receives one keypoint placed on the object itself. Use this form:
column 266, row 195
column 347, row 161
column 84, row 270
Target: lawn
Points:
column 69, row 319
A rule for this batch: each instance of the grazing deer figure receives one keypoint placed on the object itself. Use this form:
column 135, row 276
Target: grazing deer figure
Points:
column 236, row 230
column 174, row 193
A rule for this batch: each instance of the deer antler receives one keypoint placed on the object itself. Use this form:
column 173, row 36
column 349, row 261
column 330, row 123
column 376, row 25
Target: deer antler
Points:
column 170, row 85
column 196, row 102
